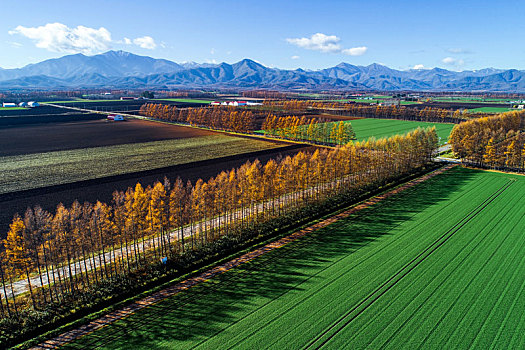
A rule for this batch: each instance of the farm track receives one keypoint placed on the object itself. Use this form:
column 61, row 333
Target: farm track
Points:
column 166, row 293
column 361, row 307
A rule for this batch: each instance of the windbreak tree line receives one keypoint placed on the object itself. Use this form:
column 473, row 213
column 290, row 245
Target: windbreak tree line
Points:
column 80, row 254
column 229, row 118
column 309, row 129
column 497, row 141
column 240, row 120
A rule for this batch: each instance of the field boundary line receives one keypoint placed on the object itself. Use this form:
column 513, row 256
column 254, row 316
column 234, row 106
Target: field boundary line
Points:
column 156, row 297
column 399, row 275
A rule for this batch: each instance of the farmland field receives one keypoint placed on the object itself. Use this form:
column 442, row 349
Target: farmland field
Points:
column 368, row 127
column 184, row 100
column 82, row 100
column 12, row 108
column 28, row 171
column 436, row 266
column 471, row 99
column 489, row 110
column 17, row 140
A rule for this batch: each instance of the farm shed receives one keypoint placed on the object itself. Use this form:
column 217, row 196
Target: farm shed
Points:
column 8, row 104
column 22, row 104
column 33, row 104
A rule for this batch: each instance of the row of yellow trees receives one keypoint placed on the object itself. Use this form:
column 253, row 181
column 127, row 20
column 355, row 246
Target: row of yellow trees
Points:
column 309, row 129
column 497, row 141
column 222, row 118
column 60, row 255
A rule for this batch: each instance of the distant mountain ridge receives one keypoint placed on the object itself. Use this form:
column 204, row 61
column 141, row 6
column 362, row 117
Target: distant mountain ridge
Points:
column 120, row 69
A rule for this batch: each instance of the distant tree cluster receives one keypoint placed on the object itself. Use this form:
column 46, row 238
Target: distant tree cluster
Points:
column 147, row 94
column 85, row 249
column 221, row 118
column 497, row 141
column 309, row 129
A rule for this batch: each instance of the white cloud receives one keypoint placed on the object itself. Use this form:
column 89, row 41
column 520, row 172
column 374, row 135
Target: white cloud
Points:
column 58, row 37
column 318, row 42
column 418, row 66
column 326, row 43
column 146, row 42
column 355, row 51
column 451, row 61
column 448, row 60
column 295, row 57
column 212, row 51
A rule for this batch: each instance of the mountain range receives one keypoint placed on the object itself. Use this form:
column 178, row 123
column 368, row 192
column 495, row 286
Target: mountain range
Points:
column 120, row 69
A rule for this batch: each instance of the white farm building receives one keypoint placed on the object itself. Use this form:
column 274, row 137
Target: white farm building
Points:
column 8, row 104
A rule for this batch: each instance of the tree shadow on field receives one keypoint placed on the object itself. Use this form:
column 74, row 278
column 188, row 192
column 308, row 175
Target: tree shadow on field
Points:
column 186, row 319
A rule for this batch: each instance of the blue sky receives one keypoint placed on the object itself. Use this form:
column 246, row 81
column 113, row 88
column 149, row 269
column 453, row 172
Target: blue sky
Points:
column 455, row 35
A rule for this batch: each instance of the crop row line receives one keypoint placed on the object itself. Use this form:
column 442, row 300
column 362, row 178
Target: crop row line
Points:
column 340, row 274
column 355, row 311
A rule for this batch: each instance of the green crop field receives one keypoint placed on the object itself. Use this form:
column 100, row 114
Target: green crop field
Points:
column 366, row 128
column 437, row 266
column 489, row 110
column 35, row 170
column 11, row 108
column 471, row 100
column 379, row 128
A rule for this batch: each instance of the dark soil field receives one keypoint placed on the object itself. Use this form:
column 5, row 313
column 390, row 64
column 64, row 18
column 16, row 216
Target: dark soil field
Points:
column 43, row 115
column 68, row 117
column 84, row 134
column 456, row 105
column 102, row 188
column 31, row 111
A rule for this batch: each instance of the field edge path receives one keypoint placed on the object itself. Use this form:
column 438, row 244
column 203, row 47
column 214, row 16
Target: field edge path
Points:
column 156, row 297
